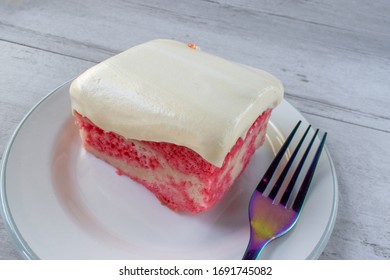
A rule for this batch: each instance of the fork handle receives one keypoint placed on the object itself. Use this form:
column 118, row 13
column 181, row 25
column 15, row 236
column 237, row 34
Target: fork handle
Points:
column 254, row 249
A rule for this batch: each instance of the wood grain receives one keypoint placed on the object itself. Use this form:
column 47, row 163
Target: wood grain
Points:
column 333, row 58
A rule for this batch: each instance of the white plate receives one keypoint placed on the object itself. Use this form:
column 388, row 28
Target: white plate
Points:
column 61, row 203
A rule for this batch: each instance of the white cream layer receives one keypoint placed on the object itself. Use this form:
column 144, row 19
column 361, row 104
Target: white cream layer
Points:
column 165, row 91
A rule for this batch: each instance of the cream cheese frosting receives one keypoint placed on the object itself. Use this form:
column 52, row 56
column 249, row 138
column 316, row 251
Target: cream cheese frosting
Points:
column 165, row 91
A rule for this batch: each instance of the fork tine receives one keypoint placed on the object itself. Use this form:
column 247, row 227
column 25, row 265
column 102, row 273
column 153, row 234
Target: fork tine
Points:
column 269, row 220
column 300, row 198
column 271, row 169
column 295, row 176
column 283, row 175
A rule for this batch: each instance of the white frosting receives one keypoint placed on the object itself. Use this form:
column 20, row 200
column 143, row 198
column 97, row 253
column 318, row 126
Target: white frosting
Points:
column 165, row 91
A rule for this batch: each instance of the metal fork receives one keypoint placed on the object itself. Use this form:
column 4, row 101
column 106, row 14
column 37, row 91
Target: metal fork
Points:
column 269, row 218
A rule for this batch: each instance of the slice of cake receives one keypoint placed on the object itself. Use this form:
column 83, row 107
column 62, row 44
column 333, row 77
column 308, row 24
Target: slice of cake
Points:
column 181, row 122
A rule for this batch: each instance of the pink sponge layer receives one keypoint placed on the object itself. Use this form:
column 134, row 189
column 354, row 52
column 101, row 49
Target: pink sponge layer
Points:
column 179, row 177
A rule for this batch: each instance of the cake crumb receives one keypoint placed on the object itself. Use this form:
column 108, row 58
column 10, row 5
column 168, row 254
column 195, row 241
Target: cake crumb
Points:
column 192, row 45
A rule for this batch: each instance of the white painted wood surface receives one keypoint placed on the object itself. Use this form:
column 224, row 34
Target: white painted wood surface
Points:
column 332, row 56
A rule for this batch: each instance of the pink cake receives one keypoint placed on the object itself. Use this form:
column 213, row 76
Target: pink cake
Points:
column 174, row 119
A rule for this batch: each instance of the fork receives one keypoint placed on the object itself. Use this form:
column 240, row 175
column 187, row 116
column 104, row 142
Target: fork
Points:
column 269, row 218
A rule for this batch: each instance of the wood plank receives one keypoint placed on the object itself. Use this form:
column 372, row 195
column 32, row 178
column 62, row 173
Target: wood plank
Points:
column 367, row 16
column 55, row 44
column 362, row 161
column 334, row 66
column 30, row 75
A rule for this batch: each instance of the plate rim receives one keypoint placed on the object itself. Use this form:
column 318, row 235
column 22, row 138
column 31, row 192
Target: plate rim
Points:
column 25, row 250
column 9, row 222
column 319, row 248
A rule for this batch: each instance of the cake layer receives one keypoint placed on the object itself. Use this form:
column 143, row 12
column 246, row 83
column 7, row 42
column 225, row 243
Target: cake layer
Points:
column 165, row 91
column 178, row 176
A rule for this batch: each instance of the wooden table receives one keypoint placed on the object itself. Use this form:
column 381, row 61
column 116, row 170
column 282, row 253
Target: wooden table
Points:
column 333, row 58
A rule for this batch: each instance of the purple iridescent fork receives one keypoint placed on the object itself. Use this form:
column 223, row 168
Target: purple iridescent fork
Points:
column 270, row 218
